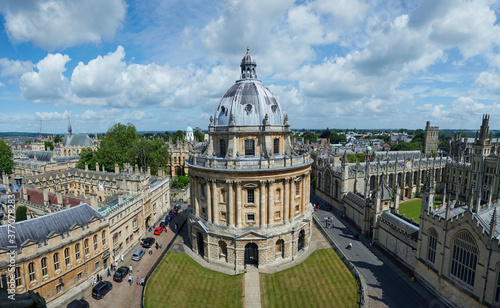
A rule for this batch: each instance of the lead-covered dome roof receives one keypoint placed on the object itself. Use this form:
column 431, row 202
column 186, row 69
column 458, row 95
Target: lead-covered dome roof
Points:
column 248, row 100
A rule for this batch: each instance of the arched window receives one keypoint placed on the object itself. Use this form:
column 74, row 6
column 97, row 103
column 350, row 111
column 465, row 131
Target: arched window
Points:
column 327, row 183
column 86, row 246
column 415, row 178
column 66, row 256
column 95, row 242
column 399, row 179
column 422, row 177
column 280, row 249
column 431, row 247
column 407, row 179
column 391, row 178
column 337, row 189
column 372, row 182
column 56, row 261
column 77, row 251
column 44, row 266
column 103, row 235
column 31, row 270
column 222, row 250
column 464, row 258
column 249, row 147
column 17, row 276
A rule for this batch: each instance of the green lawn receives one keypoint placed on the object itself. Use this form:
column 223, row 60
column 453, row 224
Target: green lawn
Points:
column 184, row 283
column 412, row 208
column 322, row 280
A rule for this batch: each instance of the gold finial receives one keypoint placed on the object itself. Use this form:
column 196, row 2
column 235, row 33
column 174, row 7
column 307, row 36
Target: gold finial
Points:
column 248, row 49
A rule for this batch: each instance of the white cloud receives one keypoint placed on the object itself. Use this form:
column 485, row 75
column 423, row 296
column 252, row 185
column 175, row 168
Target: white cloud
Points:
column 49, row 82
column 54, row 24
column 52, row 116
column 488, row 82
column 14, row 68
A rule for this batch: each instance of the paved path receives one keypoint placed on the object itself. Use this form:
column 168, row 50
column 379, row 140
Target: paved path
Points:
column 125, row 295
column 252, row 288
column 388, row 286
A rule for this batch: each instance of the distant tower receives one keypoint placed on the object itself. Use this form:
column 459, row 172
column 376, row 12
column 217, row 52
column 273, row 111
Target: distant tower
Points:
column 431, row 139
column 189, row 134
column 69, row 127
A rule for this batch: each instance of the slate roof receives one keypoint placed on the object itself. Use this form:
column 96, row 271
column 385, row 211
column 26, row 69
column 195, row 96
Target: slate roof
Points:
column 77, row 140
column 41, row 155
column 453, row 212
column 485, row 216
column 41, row 228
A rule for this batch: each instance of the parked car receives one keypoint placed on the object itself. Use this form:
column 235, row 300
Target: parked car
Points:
column 158, row 231
column 163, row 224
column 168, row 218
column 101, row 289
column 172, row 212
column 78, row 303
column 177, row 207
column 120, row 274
column 138, row 253
column 147, row 242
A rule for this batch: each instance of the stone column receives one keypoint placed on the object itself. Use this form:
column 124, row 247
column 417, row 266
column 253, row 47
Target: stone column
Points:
column 292, row 198
column 286, row 201
column 303, row 194
column 238, row 204
column 270, row 206
column 215, row 203
column 230, row 204
column 262, row 203
column 209, row 201
column 195, row 195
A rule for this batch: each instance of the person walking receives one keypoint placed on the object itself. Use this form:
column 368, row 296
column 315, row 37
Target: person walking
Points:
column 138, row 281
column 116, row 265
column 122, row 258
column 161, row 245
column 130, row 279
column 130, row 269
column 109, row 273
column 142, row 282
column 150, row 251
column 156, row 246
column 98, row 278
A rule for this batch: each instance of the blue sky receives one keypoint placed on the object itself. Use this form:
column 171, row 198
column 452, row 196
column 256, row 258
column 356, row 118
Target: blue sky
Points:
column 162, row 65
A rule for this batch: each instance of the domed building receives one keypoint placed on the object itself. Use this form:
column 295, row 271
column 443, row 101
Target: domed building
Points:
column 249, row 187
column 189, row 134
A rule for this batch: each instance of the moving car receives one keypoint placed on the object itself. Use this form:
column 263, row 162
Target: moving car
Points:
column 147, row 242
column 120, row 274
column 101, row 289
column 78, row 303
column 138, row 253
column 158, row 231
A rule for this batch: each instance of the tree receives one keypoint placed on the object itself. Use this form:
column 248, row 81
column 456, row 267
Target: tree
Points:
column 58, row 139
column 87, row 156
column 21, row 213
column 326, row 134
column 116, row 145
column 312, row 137
column 153, row 154
column 337, row 138
column 180, row 182
column 179, row 135
column 199, row 136
column 407, row 146
column 6, row 158
column 49, row 145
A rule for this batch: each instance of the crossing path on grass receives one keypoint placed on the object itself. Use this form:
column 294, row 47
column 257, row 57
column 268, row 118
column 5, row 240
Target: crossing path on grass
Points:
column 252, row 288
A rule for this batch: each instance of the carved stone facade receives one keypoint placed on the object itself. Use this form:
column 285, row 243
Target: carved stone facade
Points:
column 249, row 188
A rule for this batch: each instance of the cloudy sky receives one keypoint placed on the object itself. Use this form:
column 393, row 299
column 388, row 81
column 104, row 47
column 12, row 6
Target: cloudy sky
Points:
column 162, row 65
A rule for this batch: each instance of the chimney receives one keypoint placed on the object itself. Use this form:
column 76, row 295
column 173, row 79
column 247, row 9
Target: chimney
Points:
column 160, row 171
column 149, row 170
column 97, row 166
column 45, row 196
column 136, row 170
column 103, row 168
column 117, row 169
column 120, row 199
column 86, row 167
column 59, row 198
column 93, row 202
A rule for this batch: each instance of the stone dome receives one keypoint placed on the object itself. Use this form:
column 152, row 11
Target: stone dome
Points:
column 248, row 101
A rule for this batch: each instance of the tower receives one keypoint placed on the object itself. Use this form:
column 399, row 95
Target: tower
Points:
column 69, row 128
column 431, row 139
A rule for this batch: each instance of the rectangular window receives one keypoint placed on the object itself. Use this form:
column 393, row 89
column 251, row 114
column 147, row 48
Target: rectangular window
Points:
column 223, row 147
column 297, row 189
column 251, row 217
column 79, row 276
column 223, row 215
column 276, row 146
column 17, row 273
column 56, row 262
column 297, row 208
column 31, row 270
column 58, row 288
column 249, row 147
column 95, row 242
column 103, row 235
column 86, row 246
column 277, row 215
column 250, row 196
column 97, row 265
column 44, row 266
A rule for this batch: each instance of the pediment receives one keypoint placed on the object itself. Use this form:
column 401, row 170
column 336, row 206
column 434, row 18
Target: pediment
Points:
column 251, row 235
column 251, row 185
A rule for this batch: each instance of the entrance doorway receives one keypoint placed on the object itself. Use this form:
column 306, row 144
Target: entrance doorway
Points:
column 201, row 245
column 300, row 244
column 251, row 254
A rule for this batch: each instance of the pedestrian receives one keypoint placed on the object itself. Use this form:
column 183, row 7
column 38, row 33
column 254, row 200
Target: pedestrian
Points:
column 97, row 277
column 138, row 281
column 326, row 221
column 156, row 246
column 116, row 265
column 161, row 245
column 109, row 273
column 122, row 258
column 150, row 251
column 142, row 282
column 130, row 279
column 175, row 226
column 92, row 281
column 333, row 224
column 130, row 269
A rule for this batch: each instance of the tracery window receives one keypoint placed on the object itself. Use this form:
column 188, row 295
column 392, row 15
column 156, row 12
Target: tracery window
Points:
column 44, row 266
column 431, row 247
column 464, row 258
column 31, row 270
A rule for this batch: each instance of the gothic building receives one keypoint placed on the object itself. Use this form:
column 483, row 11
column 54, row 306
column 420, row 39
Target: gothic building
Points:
column 249, row 187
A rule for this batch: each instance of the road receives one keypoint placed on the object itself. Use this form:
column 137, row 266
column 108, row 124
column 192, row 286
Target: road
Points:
column 387, row 286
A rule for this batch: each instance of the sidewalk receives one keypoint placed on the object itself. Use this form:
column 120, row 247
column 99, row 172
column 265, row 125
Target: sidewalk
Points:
column 252, row 288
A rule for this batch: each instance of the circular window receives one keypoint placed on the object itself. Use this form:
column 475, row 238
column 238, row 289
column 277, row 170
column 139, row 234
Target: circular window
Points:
column 274, row 108
column 248, row 108
column 223, row 109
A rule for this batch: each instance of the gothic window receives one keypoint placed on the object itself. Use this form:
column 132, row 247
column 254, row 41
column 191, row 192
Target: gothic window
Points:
column 415, row 178
column 422, row 177
column 66, row 256
column 56, row 261
column 250, row 196
column 276, row 146
column 431, row 248
column 391, row 178
column 44, row 266
column 222, row 146
column 372, row 182
column 77, row 251
column 17, row 276
column 86, row 246
column 31, row 270
column 337, row 190
column 95, row 242
column 249, row 147
column 407, row 178
column 464, row 258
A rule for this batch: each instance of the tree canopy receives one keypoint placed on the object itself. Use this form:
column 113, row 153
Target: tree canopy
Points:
column 337, row 138
column 58, row 138
column 178, row 135
column 49, row 145
column 21, row 213
column 199, row 136
column 312, row 137
column 6, row 156
column 180, row 182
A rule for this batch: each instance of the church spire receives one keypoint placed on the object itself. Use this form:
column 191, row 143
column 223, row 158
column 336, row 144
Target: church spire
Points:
column 69, row 127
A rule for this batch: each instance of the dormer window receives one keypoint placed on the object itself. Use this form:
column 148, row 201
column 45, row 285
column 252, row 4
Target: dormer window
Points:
column 248, row 108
